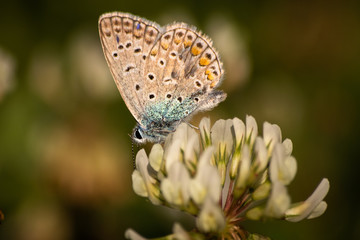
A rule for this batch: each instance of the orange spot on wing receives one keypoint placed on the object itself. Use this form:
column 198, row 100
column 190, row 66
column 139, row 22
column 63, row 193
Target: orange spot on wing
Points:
column 153, row 52
column 204, row 61
column 195, row 50
column 210, row 75
column 187, row 43
column 164, row 45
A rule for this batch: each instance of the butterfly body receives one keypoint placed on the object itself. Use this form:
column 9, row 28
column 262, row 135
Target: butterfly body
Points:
column 164, row 75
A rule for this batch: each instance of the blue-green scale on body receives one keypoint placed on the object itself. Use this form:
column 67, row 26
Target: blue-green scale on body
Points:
column 161, row 118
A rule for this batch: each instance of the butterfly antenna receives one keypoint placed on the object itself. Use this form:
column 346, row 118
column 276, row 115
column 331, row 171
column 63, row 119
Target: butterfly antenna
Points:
column 133, row 154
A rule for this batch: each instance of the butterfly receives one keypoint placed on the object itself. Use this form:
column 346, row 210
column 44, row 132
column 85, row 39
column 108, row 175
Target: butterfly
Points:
column 164, row 74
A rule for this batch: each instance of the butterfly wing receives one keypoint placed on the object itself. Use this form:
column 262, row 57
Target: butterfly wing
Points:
column 182, row 72
column 126, row 41
column 163, row 75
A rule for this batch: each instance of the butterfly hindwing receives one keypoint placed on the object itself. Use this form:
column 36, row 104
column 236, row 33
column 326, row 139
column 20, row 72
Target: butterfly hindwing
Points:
column 183, row 70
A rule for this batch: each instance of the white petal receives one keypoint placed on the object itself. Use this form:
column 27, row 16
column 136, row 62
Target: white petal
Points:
column 318, row 211
column 181, row 132
column 141, row 165
column 251, row 130
column 272, row 135
column 138, row 184
column 141, row 161
column 262, row 191
column 211, row 183
column 156, row 157
column 180, row 233
column 180, row 177
column 207, row 180
column 304, row 210
column 205, row 158
column 192, row 148
column 278, row 202
column 170, row 192
column 288, row 145
column 244, row 172
column 172, row 153
column 184, row 143
column 204, row 127
column 221, row 135
column 179, row 135
column 184, row 132
column 226, row 187
column 131, row 234
column 282, row 167
column 239, row 131
column 234, row 165
column 211, row 217
column 261, row 157
column 291, row 166
column 197, row 191
column 175, row 187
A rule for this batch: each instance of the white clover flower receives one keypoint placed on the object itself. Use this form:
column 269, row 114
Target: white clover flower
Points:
column 224, row 176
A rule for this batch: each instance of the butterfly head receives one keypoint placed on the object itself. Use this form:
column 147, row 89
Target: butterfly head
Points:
column 141, row 135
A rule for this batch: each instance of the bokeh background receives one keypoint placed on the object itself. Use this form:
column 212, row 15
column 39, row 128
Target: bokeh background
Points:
column 65, row 154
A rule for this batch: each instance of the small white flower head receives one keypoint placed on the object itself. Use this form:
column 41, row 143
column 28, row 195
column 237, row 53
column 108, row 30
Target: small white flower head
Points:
column 223, row 176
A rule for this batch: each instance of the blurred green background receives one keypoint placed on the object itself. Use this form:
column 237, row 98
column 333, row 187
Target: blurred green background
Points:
column 65, row 154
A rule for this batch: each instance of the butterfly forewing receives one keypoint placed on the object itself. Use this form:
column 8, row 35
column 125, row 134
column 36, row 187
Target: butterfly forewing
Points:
column 126, row 42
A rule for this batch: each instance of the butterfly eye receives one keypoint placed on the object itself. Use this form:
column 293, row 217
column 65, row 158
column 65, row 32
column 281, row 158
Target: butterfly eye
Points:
column 137, row 134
